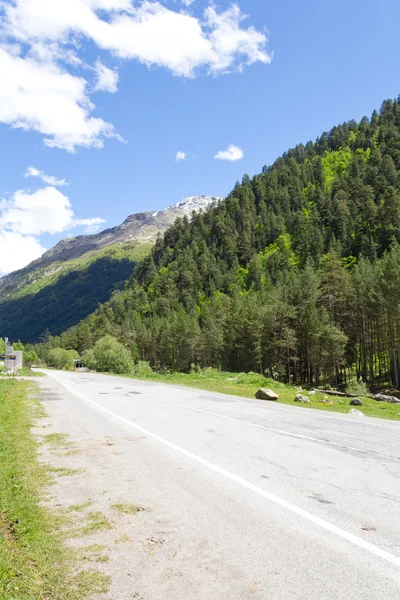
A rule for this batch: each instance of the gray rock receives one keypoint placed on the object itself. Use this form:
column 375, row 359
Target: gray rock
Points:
column 384, row 398
column 356, row 402
column 266, row 394
column 301, row 398
column 355, row 412
column 312, row 393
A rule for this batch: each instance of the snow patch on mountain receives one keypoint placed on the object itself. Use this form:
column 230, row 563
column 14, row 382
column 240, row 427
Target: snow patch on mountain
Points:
column 195, row 203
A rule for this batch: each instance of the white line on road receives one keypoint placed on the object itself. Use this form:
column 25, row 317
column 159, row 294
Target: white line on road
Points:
column 282, row 431
column 353, row 539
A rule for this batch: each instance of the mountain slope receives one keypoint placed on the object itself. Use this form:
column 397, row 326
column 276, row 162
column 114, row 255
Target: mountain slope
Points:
column 295, row 274
column 142, row 228
column 68, row 281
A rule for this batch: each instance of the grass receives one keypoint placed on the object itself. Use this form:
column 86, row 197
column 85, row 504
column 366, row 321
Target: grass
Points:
column 24, row 372
column 34, row 562
column 56, row 440
column 96, row 521
column 64, row 472
column 245, row 385
column 91, row 581
column 78, row 507
column 123, row 539
column 127, row 509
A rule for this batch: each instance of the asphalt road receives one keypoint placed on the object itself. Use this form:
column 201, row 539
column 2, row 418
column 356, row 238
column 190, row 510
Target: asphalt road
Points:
column 263, row 500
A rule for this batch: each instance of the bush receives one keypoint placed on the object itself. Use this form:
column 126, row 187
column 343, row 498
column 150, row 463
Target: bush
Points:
column 358, row 388
column 30, row 358
column 59, row 358
column 252, row 378
column 110, row 356
column 89, row 360
column 207, row 373
column 143, row 369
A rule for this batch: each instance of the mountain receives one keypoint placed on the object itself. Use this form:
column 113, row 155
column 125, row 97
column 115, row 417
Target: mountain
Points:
column 69, row 280
column 140, row 228
column 296, row 274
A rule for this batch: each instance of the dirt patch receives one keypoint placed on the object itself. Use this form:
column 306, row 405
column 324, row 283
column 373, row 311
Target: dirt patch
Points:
column 7, row 528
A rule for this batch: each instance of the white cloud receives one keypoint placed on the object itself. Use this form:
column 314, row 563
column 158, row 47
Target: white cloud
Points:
column 148, row 32
column 45, row 98
column 91, row 225
column 45, row 211
column 187, row 2
column 49, row 179
column 106, row 79
column 18, row 250
column 232, row 153
column 25, row 216
column 40, row 41
column 180, row 156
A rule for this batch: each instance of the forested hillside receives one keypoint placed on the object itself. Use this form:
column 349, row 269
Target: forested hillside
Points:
column 296, row 275
column 66, row 292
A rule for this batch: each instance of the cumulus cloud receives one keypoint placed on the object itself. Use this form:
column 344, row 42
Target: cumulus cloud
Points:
column 232, row 153
column 43, row 97
column 106, row 79
column 49, row 179
column 91, row 225
column 148, row 32
column 25, row 216
column 39, row 48
column 180, row 156
column 17, row 250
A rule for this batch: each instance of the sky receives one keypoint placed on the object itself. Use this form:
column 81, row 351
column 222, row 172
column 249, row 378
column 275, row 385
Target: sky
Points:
column 111, row 107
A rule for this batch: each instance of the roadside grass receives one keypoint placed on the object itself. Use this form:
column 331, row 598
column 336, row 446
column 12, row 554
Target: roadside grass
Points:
column 57, row 440
column 127, row 509
column 93, row 553
column 123, row 539
column 96, row 521
column 34, row 562
column 78, row 507
column 245, row 385
column 64, row 472
column 24, row 372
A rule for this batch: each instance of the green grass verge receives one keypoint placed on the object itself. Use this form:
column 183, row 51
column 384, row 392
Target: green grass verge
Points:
column 34, row 563
column 246, row 385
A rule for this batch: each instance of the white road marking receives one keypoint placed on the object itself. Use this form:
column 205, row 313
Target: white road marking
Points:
column 283, row 432
column 353, row 539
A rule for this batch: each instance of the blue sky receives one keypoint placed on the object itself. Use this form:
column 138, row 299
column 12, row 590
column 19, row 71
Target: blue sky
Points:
column 183, row 85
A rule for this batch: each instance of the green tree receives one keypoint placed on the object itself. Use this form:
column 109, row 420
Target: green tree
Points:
column 110, row 356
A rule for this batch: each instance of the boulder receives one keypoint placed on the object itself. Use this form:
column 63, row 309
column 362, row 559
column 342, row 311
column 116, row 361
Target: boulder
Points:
column 312, row 393
column 356, row 402
column 266, row 394
column 384, row 398
column 301, row 398
column 355, row 412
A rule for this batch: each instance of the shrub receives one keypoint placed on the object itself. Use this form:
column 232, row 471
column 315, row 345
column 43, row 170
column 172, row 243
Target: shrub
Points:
column 143, row 369
column 89, row 360
column 59, row 358
column 30, row 358
column 110, row 356
column 252, row 378
column 208, row 373
column 358, row 388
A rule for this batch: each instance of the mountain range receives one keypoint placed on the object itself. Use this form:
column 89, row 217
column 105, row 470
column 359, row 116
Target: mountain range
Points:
column 85, row 269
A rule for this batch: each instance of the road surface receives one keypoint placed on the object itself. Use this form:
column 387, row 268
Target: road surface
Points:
column 252, row 499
